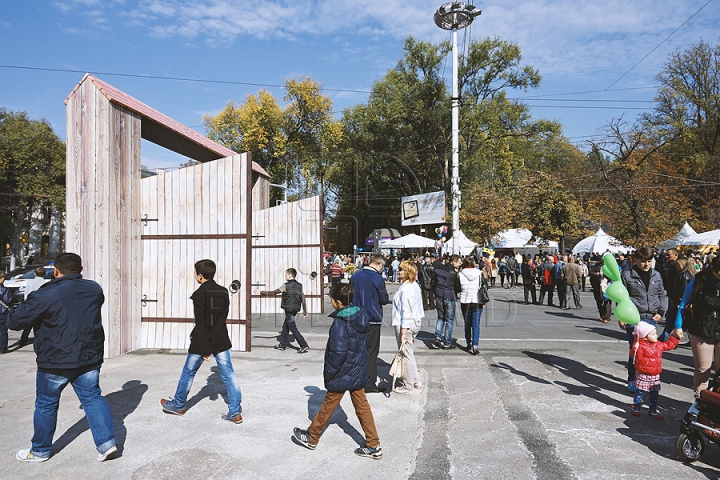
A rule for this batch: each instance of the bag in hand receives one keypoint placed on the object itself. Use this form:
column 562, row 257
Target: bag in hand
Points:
column 483, row 294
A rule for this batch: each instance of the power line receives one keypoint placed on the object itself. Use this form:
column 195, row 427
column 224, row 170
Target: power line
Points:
column 658, row 45
column 180, row 79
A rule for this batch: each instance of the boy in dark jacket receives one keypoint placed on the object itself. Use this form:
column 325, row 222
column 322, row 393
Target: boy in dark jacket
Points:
column 292, row 300
column 345, row 370
column 209, row 337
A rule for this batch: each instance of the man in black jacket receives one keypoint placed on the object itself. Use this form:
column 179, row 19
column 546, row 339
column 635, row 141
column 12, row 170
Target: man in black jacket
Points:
column 209, row 337
column 69, row 344
column 447, row 286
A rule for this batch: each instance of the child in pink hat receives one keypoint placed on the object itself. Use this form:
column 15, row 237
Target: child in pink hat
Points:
column 646, row 353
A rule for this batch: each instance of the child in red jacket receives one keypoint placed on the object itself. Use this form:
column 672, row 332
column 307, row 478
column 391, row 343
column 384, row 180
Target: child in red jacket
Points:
column 646, row 353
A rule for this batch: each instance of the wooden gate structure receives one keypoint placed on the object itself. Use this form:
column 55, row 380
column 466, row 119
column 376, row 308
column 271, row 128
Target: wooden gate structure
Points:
column 139, row 238
column 190, row 214
column 288, row 235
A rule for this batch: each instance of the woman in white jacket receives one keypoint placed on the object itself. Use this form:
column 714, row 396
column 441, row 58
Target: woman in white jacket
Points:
column 470, row 281
column 407, row 314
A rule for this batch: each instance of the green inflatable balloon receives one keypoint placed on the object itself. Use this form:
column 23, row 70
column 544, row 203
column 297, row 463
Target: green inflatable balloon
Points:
column 625, row 310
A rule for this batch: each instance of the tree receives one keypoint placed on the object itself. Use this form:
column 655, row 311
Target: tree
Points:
column 291, row 143
column 32, row 171
column 638, row 192
column 551, row 211
column 687, row 116
column 401, row 138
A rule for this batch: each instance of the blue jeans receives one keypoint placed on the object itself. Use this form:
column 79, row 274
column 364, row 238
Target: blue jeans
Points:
column 653, row 400
column 669, row 321
column 224, row 363
column 289, row 325
column 86, row 385
column 472, row 313
column 629, row 329
column 446, row 320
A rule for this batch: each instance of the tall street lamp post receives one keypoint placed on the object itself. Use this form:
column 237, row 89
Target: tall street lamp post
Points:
column 454, row 16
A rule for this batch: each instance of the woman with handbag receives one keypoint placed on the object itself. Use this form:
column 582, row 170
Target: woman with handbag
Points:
column 472, row 283
column 700, row 309
column 407, row 315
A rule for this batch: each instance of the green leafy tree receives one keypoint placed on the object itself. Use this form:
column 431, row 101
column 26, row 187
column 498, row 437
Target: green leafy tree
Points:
column 32, row 169
column 401, row 138
column 551, row 212
column 292, row 143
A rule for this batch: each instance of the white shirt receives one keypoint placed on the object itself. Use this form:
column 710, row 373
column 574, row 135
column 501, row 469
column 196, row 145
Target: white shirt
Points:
column 408, row 309
column 33, row 284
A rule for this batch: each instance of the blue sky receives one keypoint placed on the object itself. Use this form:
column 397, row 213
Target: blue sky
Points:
column 577, row 46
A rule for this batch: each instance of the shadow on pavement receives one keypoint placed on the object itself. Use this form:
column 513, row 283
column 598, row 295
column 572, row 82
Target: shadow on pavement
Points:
column 122, row 403
column 606, row 331
column 213, row 389
column 657, row 436
column 339, row 417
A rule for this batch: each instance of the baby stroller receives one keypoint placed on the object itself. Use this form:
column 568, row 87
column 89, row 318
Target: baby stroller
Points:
column 701, row 421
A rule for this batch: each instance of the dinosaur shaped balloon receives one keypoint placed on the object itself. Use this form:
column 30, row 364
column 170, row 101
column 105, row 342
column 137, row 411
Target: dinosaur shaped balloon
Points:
column 625, row 311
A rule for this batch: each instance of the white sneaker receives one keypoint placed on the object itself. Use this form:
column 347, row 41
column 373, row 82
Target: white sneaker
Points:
column 25, row 455
column 108, row 454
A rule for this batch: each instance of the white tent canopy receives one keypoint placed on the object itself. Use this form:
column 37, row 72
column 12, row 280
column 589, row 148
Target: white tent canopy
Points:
column 459, row 244
column 705, row 238
column 519, row 238
column 685, row 232
column 409, row 241
column 601, row 242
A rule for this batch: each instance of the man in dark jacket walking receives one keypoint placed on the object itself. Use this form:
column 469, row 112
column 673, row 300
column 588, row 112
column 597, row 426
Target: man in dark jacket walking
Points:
column 370, row 295
column 69, row 344
column 447, row 286
column 291, row 301
column 209, row 337
column 345, row 370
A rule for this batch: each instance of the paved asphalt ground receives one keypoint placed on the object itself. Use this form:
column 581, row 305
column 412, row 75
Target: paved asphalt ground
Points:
column 545, row 399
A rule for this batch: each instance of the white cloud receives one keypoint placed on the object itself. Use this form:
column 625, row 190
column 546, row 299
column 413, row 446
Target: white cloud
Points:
column 577, row 40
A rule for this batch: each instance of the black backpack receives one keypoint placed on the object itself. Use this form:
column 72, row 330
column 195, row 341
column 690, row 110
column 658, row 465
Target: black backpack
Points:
column 428, row 277
column 292, row 297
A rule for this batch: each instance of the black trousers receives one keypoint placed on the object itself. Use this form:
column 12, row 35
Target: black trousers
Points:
column 428, row 297
column 529, row 289
column 549, row 289
column 373, row 348
column 562, row 292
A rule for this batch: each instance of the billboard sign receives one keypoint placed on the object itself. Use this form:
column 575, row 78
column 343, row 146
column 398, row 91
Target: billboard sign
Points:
column 424, row 209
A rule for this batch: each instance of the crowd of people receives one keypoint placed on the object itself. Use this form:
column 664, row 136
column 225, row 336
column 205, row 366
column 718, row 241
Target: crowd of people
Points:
column 69, row 337
column 683, row 289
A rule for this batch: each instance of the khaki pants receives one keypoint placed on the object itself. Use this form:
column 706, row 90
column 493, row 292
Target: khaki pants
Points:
column 412, row 375
column 704, row 349
column 362, row 410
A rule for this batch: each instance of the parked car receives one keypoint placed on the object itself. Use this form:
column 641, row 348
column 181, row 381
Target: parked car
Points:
column 17, row 284
column 20, row 271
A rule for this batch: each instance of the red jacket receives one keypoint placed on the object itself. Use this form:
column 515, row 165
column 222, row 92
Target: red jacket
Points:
column 648, row 356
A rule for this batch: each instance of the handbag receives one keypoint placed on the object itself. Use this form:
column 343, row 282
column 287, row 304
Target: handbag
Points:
column 483, row 294
column 398, row 367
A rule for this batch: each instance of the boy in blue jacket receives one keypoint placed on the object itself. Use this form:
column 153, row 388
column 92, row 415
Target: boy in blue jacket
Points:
column 345, row 370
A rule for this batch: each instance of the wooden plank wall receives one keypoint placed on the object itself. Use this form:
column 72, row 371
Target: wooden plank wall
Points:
column 103, row 207
column 289, row 235
column 196, row 212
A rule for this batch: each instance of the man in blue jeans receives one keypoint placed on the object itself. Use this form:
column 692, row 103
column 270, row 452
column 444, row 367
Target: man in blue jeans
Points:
column 69, row 343
column 447, row 287
column 209, row 337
